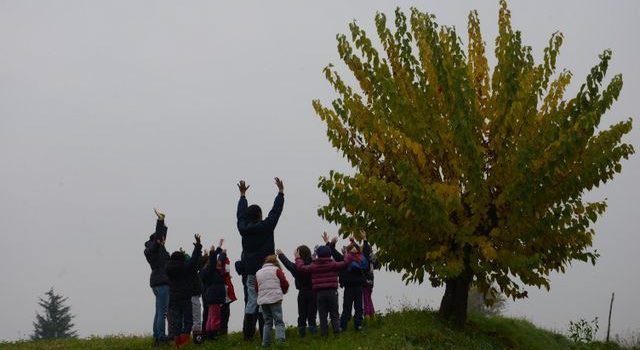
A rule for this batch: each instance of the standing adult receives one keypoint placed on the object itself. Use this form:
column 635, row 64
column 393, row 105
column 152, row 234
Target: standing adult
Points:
column 158, row 257
column 257, row 244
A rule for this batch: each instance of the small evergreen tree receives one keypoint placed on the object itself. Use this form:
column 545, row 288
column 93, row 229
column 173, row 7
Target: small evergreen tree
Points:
column 56, row 320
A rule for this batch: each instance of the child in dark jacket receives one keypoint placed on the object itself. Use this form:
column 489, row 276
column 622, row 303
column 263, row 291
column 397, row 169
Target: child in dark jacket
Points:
column 307, row 303
column 179, row 272
column 196, row 295
column 367, row 290
column 324, row 281
column 214, row 289
column 352, row 279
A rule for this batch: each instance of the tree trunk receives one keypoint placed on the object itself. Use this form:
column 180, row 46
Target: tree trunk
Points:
column 454, row 301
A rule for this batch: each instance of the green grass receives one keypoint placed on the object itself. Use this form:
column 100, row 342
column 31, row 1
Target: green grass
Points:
column 408, row 329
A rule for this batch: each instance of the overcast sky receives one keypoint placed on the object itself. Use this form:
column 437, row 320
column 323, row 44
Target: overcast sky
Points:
column 110, row 108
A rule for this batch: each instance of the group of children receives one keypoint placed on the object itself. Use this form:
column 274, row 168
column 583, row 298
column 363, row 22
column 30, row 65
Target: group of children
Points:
column 186, row 280
column 317, row 276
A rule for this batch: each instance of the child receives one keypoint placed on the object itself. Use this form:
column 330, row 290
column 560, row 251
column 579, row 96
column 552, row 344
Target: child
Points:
column 352, row 279
column 196, row 294
column 179, row 272
column 230, row 296
column 307, row 303
column 367, row 290
column 324, row 281
column 214, row 289
column 271, row 285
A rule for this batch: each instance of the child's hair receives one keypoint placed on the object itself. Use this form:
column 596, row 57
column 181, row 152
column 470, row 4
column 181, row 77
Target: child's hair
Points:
column 305, row 252
column 272, row 259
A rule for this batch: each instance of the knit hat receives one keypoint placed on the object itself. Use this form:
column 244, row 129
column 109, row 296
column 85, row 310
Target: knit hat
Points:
column 323, row 251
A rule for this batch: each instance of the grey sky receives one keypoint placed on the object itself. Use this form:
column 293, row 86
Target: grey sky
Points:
column 110, row 108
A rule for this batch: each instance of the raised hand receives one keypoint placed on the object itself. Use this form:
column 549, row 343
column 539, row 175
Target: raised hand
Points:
column 363, row 235
column 325, row 237
column 159, row 213
column 243, row 187
column 280, row 185
column 278, row 251
column 334, row 240
column 221, row 242
column 197, row 237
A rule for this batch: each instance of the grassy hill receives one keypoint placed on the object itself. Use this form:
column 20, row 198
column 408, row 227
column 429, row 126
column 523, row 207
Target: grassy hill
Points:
column 408, row 329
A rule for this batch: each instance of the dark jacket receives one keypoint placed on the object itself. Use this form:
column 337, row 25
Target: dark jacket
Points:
column 302, row 279
column 355, row 273
column 179, row 272
column 257, row 237
column 157, row 256
column 196, row 282
column 372, row 263
column 213, row 279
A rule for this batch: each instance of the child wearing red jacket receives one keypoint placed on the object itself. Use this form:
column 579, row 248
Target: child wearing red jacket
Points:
column 230, row 296
column 324, row 280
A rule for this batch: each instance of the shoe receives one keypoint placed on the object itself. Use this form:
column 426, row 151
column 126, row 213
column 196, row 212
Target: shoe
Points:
column 198, row 337
column 212, row 335
column 182, row 339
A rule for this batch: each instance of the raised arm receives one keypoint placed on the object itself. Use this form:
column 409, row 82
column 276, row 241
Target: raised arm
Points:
column 161, row 228
column 213, row 253
column 287, row 263
column 278, row 204
column 242, row 208
column 242, row 205
column 158, row 236
column 194, row 262
column 335, row 254
column 366, row 249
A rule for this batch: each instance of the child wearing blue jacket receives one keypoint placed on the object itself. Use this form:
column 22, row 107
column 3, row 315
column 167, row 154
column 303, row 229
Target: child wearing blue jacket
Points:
column 352, row 279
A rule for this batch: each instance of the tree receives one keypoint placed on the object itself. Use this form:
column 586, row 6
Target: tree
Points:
column 490, row 305
column 56, row 320
column 463, row 174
